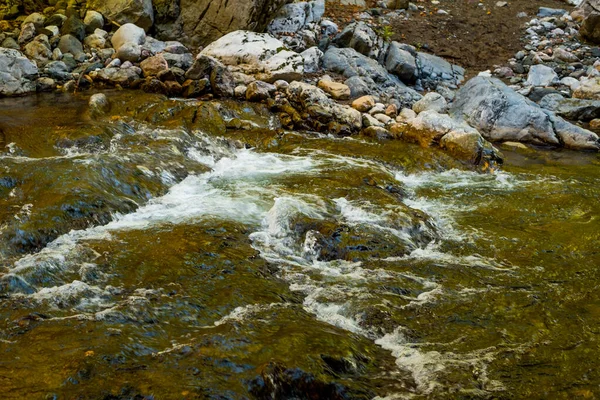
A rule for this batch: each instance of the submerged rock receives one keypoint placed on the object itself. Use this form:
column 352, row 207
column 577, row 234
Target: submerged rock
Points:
column 99, row 104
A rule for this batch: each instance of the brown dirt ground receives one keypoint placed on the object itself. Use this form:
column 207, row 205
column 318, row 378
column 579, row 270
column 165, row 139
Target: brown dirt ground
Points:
column 468, row 35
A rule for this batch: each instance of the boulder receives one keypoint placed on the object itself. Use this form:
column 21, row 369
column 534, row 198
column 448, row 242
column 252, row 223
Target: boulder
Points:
column 433, row 69
column 182, row 61
column 350, row 63
column 16, row 73
column 431, row 101
column 128, row 33
column 10, row 43
column 258, row 91
column 328, row 28
column 562, row 54
column 364, row 103
column 222, row 81
column 368, row 121
column 37, row 19
column 45, row 84
column 312, row 59
column 99, row 104
column 501, row 114
column 95, row 41
column 121, row 76
column 70, row 44
column 202, row 67
column 195, row 88
column 153, row 46
column 56, row 20
column 401, row 63
column 73, row 26
column 27, row 33
column 362, row 38
column 258, row 54
column 337, row 90
column 321, row 110
column 296, row 24
column 93, row 20
column 199, row 22
column 573, row 109
column 453, row 135
column 541, row 75
column 58, row 70
column 590, row 29
column 588, row 6
column 38, row 49
column 152, row 66
column 589, row 88
column 138, row 12
column 544, row 12
column 358, row 87
column 293, row 17
column 573, row 136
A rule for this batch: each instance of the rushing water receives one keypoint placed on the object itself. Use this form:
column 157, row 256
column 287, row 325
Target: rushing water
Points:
column 162, row 255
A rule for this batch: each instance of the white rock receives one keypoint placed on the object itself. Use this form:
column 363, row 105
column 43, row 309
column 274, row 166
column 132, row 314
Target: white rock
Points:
column 541, row 75
column 128, row 33
column 258, row 54
column 16, row 73
column 312, row 59
column 572, row 83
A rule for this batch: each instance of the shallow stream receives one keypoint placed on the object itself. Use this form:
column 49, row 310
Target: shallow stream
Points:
column 180, row 250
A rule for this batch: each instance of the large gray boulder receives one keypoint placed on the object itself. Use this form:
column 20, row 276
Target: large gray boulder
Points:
column 400, row 62
column 258, row 54
column 362, row 38
column 199, row 22
column 433, row 69
column 541, row 75
column 296, row 24
column 293, row 17
column 138, row 12
column 351, row 64
column 573, row 109
column 16, row 73
column 501, row 114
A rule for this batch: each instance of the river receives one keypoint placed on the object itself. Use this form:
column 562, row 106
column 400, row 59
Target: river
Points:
column 181, row 250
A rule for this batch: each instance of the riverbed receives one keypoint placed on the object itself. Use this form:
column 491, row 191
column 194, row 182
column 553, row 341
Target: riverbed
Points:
column 181, row 249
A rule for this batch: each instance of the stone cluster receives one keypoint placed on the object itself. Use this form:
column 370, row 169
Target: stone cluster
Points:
column 320, row 78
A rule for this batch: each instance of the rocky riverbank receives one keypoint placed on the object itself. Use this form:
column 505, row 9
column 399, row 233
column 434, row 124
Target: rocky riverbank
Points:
column 315, row 76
